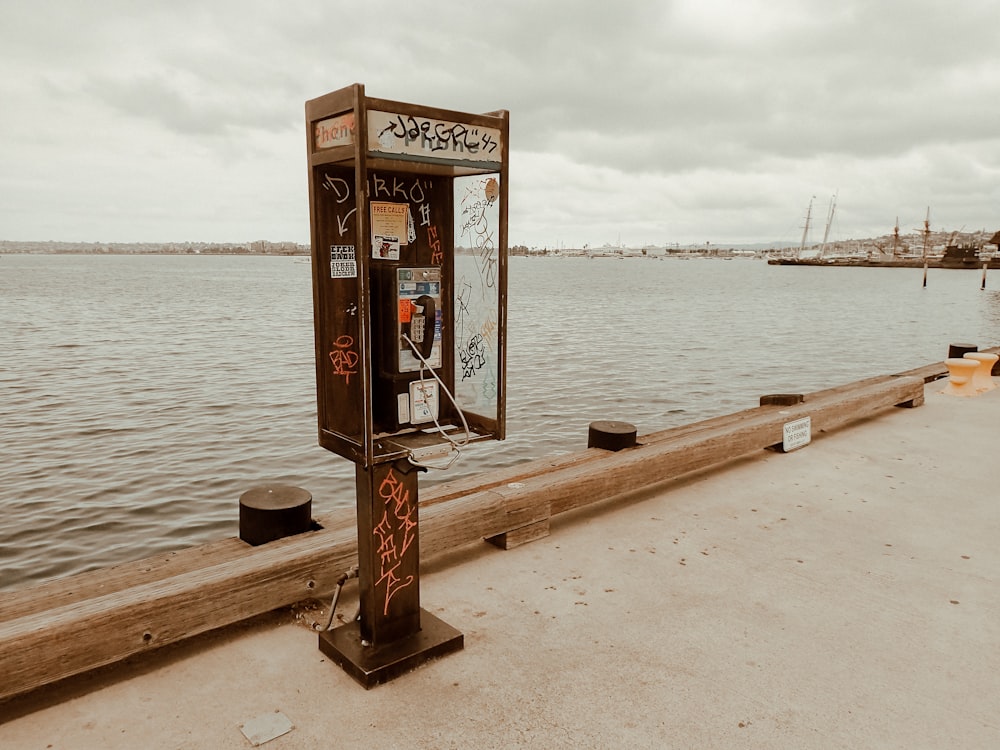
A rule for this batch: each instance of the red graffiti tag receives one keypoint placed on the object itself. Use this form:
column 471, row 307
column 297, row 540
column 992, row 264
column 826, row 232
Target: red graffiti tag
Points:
column 344, row 358
column 394, row 535
column 437, row 255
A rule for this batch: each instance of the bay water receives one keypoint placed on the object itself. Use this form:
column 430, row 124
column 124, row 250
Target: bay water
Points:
column 140, row 396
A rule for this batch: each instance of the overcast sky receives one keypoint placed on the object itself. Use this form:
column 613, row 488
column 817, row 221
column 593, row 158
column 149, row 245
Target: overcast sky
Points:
column 634, row 122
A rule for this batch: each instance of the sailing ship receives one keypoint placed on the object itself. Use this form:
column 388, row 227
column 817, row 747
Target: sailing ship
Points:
column 968, row 254
column 799, row 258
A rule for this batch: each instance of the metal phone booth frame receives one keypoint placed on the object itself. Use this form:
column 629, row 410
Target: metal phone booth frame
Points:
column 408, row 218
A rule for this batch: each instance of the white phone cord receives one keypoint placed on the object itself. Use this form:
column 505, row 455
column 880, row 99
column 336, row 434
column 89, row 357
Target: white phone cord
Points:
column 456, row 446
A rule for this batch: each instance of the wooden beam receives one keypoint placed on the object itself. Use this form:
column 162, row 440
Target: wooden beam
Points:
column 69, row 626
column 67, row 639
column 94, row 584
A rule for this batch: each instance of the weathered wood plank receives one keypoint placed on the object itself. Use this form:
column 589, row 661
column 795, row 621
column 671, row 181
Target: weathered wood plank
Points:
column 524, row 535
column 71, row 638
column 660, row 461
column 462, row 520
column 96, row 583
column 447, row 490
column 91, row 622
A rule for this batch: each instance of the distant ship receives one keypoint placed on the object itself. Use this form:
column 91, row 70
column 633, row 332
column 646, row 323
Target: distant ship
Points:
column 955, row 256
column 969, row 255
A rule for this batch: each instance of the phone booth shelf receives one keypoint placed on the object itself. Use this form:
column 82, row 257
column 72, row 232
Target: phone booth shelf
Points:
column 408, row 221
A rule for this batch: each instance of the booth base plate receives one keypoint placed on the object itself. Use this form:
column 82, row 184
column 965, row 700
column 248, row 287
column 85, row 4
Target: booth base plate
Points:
column 373, row 665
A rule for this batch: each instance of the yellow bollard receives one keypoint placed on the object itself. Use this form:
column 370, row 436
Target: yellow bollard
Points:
column 960, row 372
column 982, row 381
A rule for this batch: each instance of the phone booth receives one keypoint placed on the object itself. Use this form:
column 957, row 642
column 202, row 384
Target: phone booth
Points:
column 408, row 215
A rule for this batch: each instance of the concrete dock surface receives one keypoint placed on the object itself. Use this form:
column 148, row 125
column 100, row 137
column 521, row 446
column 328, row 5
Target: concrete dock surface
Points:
column 843, row 595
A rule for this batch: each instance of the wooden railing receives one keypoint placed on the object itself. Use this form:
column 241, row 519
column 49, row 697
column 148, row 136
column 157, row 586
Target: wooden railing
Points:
column 65, row 627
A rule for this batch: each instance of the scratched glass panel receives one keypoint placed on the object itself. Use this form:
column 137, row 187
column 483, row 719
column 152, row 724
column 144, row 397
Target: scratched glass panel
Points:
column 477, row 238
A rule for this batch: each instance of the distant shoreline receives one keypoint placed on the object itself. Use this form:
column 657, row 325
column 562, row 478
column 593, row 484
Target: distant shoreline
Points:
column 258, row 247
column 304, row 254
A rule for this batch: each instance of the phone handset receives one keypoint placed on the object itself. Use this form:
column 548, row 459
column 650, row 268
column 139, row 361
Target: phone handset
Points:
column 422, row 323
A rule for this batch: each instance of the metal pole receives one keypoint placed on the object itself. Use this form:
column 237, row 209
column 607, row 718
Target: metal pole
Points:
column 388, row 551
column 393, row 634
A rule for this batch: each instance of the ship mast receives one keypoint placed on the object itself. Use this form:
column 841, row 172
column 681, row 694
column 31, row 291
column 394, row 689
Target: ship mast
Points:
column 927, row 232
column 805, row 229
column 829, row 221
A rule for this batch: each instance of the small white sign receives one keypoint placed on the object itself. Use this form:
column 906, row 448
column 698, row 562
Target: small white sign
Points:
column 797, row 434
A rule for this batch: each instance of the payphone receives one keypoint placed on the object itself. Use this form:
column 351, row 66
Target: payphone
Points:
column 408, row 225
column 408, row 318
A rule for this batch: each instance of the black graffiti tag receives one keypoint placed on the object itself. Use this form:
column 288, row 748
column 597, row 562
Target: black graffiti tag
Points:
column 473, row 356
column 437, row 136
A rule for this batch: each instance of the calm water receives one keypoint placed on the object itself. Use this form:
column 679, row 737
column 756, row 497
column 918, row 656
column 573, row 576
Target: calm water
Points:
column 140, row 396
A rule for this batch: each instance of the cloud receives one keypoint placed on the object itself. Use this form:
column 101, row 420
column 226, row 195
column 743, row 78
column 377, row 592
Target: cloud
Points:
column 183, row 104
column 686, row 120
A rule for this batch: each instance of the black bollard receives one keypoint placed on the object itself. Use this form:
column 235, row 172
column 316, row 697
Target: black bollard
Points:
column 611, row 436
column 273, row 511
column 782, row 399
column 959, row 350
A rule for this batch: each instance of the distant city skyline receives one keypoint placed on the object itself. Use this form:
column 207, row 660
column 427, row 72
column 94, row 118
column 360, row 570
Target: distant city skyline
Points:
column 907, row 241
